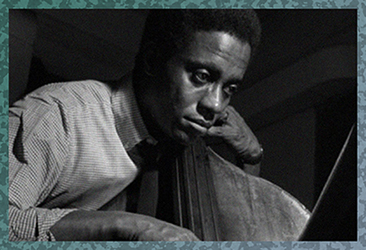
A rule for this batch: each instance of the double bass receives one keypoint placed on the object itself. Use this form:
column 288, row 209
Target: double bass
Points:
column 220, row 202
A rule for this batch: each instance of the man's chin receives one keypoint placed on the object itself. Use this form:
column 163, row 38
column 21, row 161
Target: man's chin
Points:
column 183, row 138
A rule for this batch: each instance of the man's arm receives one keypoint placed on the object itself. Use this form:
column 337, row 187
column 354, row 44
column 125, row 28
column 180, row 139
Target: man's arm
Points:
column 251, row 169
column 240, row 138
column 38, row 147
column 116, row 225
column 38, row 152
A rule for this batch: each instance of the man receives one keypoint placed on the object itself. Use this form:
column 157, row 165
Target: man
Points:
column 74, row 147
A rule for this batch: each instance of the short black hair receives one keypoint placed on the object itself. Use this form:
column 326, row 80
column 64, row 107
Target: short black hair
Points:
column 167, row 31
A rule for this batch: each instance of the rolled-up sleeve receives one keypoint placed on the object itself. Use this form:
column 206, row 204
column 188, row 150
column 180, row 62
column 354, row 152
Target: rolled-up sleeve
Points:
column 39, row 145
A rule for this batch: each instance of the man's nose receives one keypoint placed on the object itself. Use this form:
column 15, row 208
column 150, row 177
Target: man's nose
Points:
column 212, row 103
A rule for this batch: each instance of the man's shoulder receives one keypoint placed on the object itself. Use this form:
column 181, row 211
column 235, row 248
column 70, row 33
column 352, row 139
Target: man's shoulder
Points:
column 73, row 93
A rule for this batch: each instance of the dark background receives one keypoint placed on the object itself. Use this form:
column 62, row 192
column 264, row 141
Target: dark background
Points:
column 299, row 96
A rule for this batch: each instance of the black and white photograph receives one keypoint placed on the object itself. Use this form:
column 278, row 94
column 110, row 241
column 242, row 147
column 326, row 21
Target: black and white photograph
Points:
column 183, row 124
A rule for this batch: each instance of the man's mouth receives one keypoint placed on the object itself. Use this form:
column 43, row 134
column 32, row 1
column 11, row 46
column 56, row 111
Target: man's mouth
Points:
column 199, row 125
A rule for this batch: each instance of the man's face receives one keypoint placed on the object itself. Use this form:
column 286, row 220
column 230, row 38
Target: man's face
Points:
column 197, row 85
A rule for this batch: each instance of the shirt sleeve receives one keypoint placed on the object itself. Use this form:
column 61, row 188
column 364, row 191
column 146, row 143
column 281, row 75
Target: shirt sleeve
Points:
column 39, row 146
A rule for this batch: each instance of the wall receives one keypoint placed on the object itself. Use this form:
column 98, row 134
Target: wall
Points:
column 290, row 154
column 22, row 33
column 80, row 44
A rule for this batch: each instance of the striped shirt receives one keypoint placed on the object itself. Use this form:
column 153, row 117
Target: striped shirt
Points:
column 68, row 145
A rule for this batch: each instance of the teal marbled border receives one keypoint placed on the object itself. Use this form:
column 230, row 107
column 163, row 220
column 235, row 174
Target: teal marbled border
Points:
column 4, row 38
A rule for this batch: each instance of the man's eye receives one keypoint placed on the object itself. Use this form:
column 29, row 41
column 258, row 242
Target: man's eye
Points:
column 231, row 89
column 201, row 76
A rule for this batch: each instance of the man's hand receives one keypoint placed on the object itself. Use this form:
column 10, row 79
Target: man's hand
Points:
column 236, row 133
column 157, row 230
column 116, row 225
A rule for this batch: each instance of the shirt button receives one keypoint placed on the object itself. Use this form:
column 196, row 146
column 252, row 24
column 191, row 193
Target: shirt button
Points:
column 150, row 141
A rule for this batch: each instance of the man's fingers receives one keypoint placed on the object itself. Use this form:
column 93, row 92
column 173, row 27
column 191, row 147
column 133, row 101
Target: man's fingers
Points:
column 216, row 131
column 232, row 112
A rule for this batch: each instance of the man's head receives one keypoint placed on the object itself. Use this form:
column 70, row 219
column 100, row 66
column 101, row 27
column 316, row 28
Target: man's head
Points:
column 189, row 64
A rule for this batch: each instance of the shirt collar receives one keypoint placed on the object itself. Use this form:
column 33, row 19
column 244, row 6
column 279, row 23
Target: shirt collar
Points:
column 129, row 123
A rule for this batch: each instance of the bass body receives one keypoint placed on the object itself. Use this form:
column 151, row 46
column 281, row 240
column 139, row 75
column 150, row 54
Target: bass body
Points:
column 218, row 201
